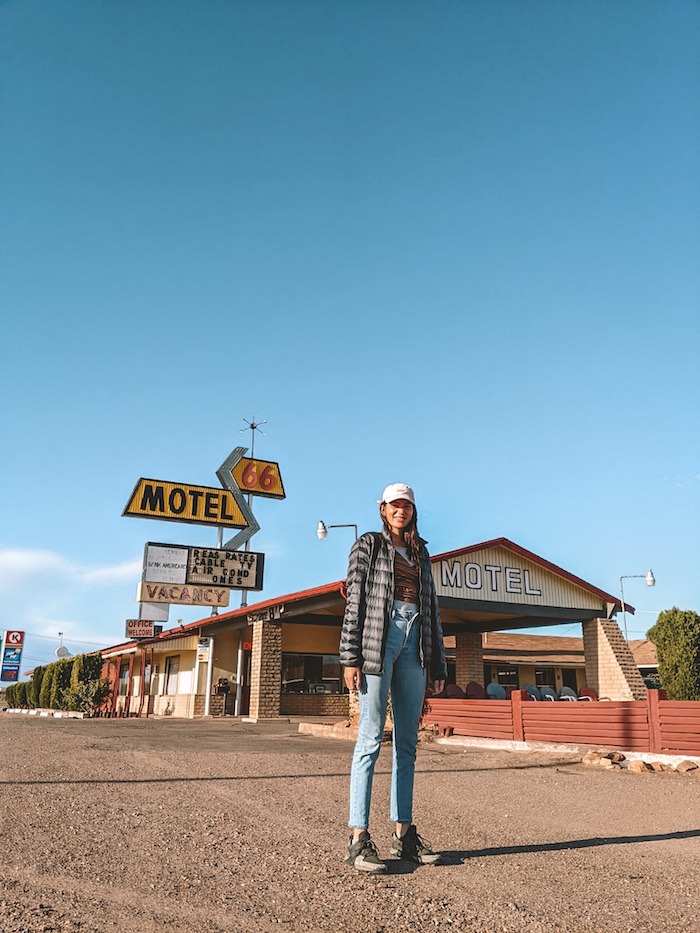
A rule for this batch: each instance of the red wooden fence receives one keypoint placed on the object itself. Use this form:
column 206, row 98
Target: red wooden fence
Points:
column 652, row 725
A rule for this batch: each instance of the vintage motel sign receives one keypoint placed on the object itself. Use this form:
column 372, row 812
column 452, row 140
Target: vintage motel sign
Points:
column 259, row 478
column 180, row 502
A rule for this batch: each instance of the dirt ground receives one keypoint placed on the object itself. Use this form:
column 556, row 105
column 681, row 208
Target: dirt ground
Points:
column 130, row 826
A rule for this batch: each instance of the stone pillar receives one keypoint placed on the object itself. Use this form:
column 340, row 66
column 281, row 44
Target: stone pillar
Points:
column 266, row 670
column 610, row 667
column 469, row 659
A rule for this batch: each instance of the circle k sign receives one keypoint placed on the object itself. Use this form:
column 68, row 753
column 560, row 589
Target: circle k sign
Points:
column 14, row 638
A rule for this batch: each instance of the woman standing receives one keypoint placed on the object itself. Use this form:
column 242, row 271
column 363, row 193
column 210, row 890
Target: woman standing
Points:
column 391, row 640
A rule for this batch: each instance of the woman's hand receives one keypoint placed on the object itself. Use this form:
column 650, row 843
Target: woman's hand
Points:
column 353, row 678
column 438, row 686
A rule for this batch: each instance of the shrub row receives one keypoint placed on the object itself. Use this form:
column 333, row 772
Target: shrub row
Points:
column 69, row 684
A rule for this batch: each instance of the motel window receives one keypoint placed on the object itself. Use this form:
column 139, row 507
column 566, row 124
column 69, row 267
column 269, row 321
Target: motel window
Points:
column 507, row 676
column 311, row 673
column 545, row 677
column 172, row 669
column 123, row 678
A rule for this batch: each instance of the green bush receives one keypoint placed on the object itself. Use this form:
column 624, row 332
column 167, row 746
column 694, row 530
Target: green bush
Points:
column 676, row 635
column 60, row 682
column 77, row 676
column 86, row 697
column 45, row 689
column 21, row 693
column 87, row 690
column 33, row 687
column 10, row 696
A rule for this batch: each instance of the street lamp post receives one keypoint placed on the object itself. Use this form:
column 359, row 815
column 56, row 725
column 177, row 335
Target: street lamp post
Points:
column 648, row 578
column 322, row 530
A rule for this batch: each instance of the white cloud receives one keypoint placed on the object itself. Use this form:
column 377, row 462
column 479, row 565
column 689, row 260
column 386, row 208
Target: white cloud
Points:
column 20, row 568
column 43, row 593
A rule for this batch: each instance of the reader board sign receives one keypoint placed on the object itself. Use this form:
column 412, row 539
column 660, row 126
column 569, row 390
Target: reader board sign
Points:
column 235, row 569
column 142, row 628
column 171, row 563
column 9, row 672
column 165, row 563
column 183, row 595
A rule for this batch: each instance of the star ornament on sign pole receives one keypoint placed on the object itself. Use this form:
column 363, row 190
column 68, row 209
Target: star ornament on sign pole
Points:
column 225, row 474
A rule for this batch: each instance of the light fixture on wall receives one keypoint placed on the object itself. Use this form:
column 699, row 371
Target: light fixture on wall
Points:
column 648, row 578
column 322, row 530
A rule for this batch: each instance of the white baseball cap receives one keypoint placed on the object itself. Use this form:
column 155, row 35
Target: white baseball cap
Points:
column 397, row 491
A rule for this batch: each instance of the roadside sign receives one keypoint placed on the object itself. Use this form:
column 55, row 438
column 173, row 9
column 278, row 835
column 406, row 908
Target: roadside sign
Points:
column 142, row 628
column 271, row 614
column 165, row 563
column 13, row 642
column 183, row 595
column 259, row 478
column 180, row 502
column 203, row 648
column 182, row 564
column 236, row 569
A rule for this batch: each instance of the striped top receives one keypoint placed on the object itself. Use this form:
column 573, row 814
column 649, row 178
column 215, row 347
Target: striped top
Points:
column 405, row 580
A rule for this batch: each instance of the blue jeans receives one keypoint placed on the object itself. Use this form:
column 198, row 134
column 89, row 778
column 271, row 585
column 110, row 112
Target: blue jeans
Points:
column 406, row 678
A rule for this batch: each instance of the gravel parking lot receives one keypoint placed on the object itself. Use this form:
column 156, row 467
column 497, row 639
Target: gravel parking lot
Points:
column 207, row 826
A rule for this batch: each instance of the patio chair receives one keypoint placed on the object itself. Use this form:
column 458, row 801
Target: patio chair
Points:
column 474, row 691
column 532, row 690
column 586, row 693
column 566, row 693
column 548, row 693
column 453, row 692
column 496, row 692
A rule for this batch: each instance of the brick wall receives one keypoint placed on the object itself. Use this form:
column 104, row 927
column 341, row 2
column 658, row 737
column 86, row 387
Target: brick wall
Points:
column 266, row 670
column 610, row 667
column 310, row 704
column 216, row 704
column 469, row 658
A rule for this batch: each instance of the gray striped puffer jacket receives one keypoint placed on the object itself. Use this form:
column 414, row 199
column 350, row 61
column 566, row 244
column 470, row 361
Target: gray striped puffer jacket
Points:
column 370, row 597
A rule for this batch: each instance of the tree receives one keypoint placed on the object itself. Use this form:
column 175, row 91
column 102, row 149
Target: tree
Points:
column 34, row 686
column 88, row 690
column 45, row 689
column 60, row 682
column 21, row 693
column 676, row 635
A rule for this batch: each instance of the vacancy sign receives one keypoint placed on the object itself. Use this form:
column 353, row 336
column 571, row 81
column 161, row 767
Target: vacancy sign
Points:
column 13, row 642
column 183, row 595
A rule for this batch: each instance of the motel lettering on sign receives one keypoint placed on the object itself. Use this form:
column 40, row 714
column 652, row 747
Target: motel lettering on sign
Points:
column 179, row 502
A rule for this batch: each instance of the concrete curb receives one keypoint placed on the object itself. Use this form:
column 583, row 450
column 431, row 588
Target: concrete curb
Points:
column 510, row 745
column 54, row 713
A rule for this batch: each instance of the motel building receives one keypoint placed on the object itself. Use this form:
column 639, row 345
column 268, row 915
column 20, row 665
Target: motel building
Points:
column 280, row 657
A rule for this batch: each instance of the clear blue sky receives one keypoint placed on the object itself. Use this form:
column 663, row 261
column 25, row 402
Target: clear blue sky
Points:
column 449, row 243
